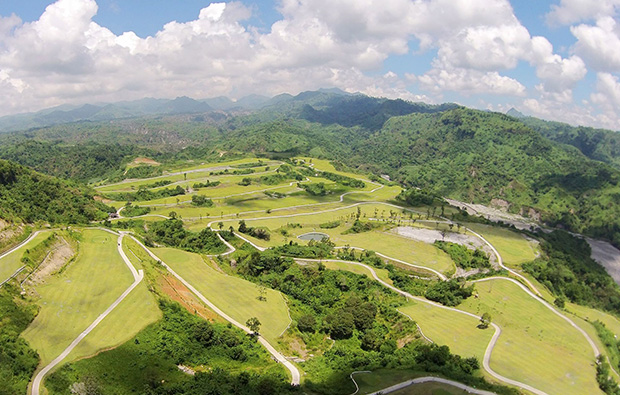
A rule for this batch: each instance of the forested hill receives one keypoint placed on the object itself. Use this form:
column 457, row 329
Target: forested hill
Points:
column 30, row 196
column 598, row 144
column 478, row 156
column 468, row 154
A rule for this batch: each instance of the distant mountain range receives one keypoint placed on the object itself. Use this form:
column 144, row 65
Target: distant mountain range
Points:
column 141, row 108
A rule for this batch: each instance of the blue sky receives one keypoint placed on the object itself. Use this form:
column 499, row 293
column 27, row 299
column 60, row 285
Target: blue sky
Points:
column 556, row 59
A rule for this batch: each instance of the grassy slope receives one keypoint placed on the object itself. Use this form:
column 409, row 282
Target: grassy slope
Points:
column 139, row 309
column 457, row 331
column 72, row 300
column 10, row 263
column 392, row 245
column 536, row 346
column 235, row 296
column 514, row 248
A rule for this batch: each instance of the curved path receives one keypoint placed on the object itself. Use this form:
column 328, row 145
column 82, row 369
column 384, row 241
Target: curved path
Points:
column 491, row 345
column 32, row 235
column 535, row 294
column 295, row 375
column 13, row 249
column 357, row 387
column 441, row 276
column 501, row 264
column 137, row 275
column 595, row 349
column 421, row 380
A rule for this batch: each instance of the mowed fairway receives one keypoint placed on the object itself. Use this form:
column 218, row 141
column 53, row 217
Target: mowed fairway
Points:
column 133, row 314
column 13, row 261
column 384, row 242
column 514, row 248
column 234, row 296
column 536, row 346
column 458, row 331
column 72, row 300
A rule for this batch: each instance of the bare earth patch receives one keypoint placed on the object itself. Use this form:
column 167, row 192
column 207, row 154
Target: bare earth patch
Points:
column 607, row 256
column 181, row 294
column 146, row 161
column 60, row 253
column 9, row 232
column 431, row 235
column 495, row 214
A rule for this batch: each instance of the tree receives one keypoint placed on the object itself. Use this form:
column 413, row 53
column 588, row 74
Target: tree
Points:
column 220, row 225
column 306, row 323
column 243, row 228
column 341, row 324
column 485, row 321
column 173, row 214
column 253, row 324
column 203, row 333
column 262, row 293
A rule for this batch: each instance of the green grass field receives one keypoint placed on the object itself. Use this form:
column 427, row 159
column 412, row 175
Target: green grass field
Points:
column 514, row 248
column 72, row 300
column 139, row 308
column 385, row 242
column 235, row 296
column 458, row 331
column 192, row 171
column 383, row 378
column 536, row 347
column 10, row 263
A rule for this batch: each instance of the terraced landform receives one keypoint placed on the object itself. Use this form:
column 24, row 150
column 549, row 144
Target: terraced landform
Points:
column 378, row 240
column 536, row 347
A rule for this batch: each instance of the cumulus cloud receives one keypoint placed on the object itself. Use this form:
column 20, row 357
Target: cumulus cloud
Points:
column 65, row 56
column 469, row 82
column 573, row 11
column 607, row 93
column 599, row 45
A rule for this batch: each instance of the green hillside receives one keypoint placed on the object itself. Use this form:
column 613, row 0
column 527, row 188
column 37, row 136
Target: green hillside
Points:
column 461, row 153
column 30, row 196
column 598, row 144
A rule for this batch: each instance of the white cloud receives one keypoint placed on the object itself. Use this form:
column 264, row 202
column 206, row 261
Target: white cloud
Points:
column 572, row 11
column 66, row 57
column 607, row 93
column 599, row 45
column 469, row 82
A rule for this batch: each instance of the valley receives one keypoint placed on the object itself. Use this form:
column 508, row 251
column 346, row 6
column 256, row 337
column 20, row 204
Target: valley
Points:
column 259, row 234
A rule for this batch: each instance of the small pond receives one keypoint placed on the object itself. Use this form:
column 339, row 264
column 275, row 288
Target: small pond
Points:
column 316, row 236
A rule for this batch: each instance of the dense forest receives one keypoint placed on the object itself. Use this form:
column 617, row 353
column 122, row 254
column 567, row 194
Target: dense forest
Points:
column 30, row 196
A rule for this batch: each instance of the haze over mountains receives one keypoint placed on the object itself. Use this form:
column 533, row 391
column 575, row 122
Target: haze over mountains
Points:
column 186, row 105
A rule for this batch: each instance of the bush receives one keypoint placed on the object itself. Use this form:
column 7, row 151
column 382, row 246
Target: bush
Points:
column 201, row 201
column 449, row 293
column 306, row 323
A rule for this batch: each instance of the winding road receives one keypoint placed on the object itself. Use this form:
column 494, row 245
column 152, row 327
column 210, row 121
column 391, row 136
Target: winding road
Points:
column 13, row 249
column 137, row 275
column 529, row 288
column 295, row 375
